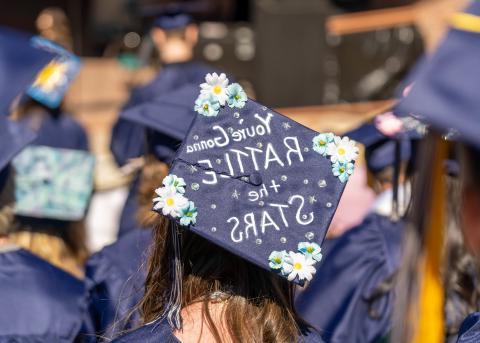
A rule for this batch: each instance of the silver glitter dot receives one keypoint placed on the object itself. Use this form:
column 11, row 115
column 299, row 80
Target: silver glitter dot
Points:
column 305, row 182
column 328, row 204
column 195, row 186
column 258, row 241
column 322, row 183
column 283, row 240
column 264, row 108
column 213, row 206
column 284, row 178
column 213, row 229
column 259, row 145
column 306, row 149
column 240, row 121
column 261, row 203
column 245, row 178
column 236, row 115
column 230, row 129
column 304, row 217
column 309, row 235
column 195, row 137
column 218, row 161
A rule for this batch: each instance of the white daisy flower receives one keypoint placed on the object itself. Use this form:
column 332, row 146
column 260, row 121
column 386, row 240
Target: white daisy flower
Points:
column 169, row 201
column 342, row 150
column 299, row 265
column 216, row 85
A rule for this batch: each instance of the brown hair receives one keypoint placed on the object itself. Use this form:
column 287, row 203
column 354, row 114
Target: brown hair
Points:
column 258, row 305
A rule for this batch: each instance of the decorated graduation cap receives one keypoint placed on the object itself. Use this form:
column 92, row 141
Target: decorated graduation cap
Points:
column 20, row 61
column 167, row 119
column 445, row 90
column 53, row 183
column 13, row 138
column 255, row 182
column 53, row 80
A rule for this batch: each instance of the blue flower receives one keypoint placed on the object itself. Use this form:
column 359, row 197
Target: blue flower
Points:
column 236, row 96
column 277, row 259
column 342, row 170
column 311, row 250
column 175, row 181
column 207, row 105
column 321, row 141
column 188, row 214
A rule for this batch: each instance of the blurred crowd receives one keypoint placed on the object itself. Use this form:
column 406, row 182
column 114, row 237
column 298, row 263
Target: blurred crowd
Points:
column 191, row 211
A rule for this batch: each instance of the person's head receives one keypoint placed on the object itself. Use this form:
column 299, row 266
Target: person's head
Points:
column 257, row 305
column 175, row 38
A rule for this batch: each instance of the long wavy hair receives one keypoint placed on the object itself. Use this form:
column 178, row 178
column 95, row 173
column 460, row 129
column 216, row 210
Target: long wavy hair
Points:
column 257, row 305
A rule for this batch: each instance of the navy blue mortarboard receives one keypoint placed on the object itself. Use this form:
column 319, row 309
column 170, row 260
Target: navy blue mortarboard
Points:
column 255, row 182
column 167, row 118
column 380, row 147
column 20, row 61
column 445, row 92
column 172, row 22
column 53, row 81
column 13, row 138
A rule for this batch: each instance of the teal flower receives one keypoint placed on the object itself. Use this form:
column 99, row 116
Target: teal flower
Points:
column 277, row 259
column 311, row 250
column 175, row 181
column 342, row 170
column 188, row 214
column 207, row 105
column 321, row 141
column 236, row 96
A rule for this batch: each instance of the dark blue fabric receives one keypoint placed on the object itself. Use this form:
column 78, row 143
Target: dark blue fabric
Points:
column 161, row 332
column 445, row 90
column 13, row 138
column 353, row 266
column 39, row 302
column 127, row 137
column 20, row 62
column 128, row 217
column 173, row 21
column 115, row 281
column 58, row 131
column 470, row 329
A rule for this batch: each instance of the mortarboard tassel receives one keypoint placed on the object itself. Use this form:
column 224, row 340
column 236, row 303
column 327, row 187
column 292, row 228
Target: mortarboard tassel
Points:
column 430, row 325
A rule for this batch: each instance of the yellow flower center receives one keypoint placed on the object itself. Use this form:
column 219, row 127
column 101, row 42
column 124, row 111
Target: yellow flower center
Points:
column 205, row 107
column 277, row 260
column 322, row 142
column 341, row 151
column 310, row 250
column 297, row 266
column 342, row 170
column 169, row 201
column 217, row 89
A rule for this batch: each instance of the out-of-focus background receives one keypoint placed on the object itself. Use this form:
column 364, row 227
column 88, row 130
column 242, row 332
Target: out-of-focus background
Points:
column 326, row 63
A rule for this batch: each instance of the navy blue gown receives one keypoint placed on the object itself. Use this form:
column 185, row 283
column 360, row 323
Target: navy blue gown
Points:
column 39, row 302
column 128, row 138
column 337, row 302
column 59, row 131
column 161, row 332
column 115, row 281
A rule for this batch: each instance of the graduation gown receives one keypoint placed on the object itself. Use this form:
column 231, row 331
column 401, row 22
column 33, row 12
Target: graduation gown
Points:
column 161, row 332
column 470, row 329
column 128, row 139
column 38, row 301
column 353, row 266
column 115, row 281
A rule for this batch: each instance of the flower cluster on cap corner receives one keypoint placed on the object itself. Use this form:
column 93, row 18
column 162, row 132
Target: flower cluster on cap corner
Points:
column 216, row 92
column 171, row 201
column 299, row 264
column 341, row 150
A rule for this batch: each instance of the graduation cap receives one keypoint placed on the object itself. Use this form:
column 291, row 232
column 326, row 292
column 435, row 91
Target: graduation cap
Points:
column 175, row 15
column 445, row 90
column 167, row 119
column 20, row 61
column 13, row 138
column 52, row 183
column 52, row 82
column 255, row 182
